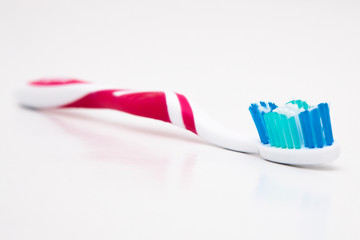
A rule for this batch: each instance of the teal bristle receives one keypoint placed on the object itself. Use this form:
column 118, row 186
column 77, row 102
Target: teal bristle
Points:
column 287, row 133
column 300, row 104
column 295, row 125
column 273, row 128
column 280, row 130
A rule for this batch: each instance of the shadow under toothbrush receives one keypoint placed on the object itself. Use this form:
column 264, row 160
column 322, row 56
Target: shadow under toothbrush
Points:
column 124, row 125
column 322, row 167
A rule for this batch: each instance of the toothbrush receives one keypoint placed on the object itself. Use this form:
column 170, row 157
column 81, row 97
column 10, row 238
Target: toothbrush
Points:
column 295, row 134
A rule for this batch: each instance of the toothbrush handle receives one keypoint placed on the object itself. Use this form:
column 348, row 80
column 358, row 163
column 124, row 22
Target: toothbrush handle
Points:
column 70, row 93
column 166, row 106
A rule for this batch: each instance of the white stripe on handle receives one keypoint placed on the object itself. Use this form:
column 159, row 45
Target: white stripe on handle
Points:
column 174, row 109
column 165, row 106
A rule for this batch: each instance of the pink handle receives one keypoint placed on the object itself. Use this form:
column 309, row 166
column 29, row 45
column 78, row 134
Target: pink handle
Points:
column 145, row 104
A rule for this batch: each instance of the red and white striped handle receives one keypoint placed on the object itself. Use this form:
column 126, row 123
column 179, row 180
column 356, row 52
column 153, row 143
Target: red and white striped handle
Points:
column 160, row 105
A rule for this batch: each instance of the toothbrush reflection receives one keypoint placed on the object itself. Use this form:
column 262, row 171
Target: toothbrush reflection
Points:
column 304, row 201
column 155, row 164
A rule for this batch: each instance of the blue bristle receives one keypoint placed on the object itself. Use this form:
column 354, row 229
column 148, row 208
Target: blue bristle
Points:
column 325, row 119
column 263, row 104
column 306, row 128
column 259, row 123
column 316, row 124
column 272, row 105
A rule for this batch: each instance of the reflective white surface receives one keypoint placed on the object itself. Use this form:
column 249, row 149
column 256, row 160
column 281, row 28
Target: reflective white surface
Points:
column 93, row 174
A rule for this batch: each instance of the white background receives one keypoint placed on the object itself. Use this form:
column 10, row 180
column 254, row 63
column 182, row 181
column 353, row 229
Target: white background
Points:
column 92, row 174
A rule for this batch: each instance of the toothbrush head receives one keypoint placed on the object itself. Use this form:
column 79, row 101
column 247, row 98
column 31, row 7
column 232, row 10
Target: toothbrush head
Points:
column 296, row 133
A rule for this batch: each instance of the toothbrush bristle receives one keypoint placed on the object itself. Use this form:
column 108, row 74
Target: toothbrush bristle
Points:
column 259, row 123
column 257, row 113
column 294, row 125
